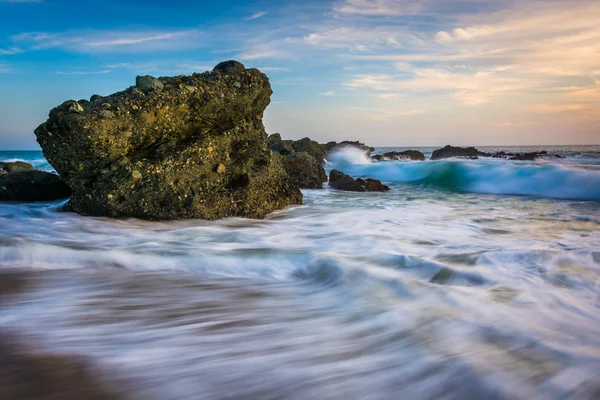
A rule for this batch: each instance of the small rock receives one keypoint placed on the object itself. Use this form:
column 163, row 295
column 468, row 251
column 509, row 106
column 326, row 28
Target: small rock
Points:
column 95, row 97
column 107, row 114
column 32, row 186
column 135, row 174
column 149, row 83
column 76, row 108
column 16, row 166
column 221, row 169
column 237, row 84
column 339, row 180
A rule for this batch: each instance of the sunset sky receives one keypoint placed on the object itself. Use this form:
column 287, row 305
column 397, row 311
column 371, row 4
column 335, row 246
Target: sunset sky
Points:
column 386, row 72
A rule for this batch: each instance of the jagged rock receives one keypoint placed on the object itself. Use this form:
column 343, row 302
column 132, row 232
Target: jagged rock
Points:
column 32, row 186
column 276, row 144
column 377, row 157
column 15, row 166
column 405, row 155
column 311, row 147
column 339, row 180
column 305, row 171
column 450, row 151
column 160, row 154
column 333, row 146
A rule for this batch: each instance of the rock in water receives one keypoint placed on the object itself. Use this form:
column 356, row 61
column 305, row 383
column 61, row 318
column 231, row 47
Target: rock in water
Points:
column 32, row 186
column 305, row 171
column 339, row 180
column 15, row 166
column 187, row 147
column 450, row 151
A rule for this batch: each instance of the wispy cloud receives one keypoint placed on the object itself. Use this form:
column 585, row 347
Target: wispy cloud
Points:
column 377, row 114
column 4, row 68
column 259, row 14
column 10, row 51
column 91, row 41
column 329, row 93
column 552, row 109
column 101, row 72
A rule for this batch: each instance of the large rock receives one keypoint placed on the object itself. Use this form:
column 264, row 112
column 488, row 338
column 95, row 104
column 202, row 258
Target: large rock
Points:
column 305, row 171
column 32, row 186
column 313, row 148
column 339, row 180
column 193, row 147
column 450, row 151
column 15, row 166
column 414, row 155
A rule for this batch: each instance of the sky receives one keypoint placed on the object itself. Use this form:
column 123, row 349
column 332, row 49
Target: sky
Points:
column 385, row 72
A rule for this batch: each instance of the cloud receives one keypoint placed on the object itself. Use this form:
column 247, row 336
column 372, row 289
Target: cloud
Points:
column 10, row 51
column 329, row 93
column 104, row 71
column 379, row 7
column 94, row 41
column 553, row 109
column 259, row 14
column 4, row 68
column 377, row 114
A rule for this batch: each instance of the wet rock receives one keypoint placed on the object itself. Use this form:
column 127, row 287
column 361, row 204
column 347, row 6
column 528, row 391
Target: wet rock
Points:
column 157, row 156
column 334, row 146
column 305, row 171
column 377, row 157
column 451, row 151
column 414, row 155
column 339, row 180
column 26, row 373
column 15, row 166
column 32, row 186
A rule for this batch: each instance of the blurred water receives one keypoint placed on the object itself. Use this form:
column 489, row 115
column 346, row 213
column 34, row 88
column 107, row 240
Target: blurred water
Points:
column 426, row 292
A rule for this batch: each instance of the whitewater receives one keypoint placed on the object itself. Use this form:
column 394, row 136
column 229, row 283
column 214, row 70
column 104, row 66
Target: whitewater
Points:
column 469, row 279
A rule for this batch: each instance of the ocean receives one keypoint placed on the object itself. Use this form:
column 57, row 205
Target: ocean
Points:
column 469, row 279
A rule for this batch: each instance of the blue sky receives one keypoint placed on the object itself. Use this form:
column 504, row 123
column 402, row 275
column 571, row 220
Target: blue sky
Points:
column 386, row 72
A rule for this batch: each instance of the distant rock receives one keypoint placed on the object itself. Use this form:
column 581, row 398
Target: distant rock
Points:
column 334, row 146
column 32, row 186
column 451, row 151
column 305, row 171
column 15, row 166
column 171, row 148
column 339, row 180
column 414, row 155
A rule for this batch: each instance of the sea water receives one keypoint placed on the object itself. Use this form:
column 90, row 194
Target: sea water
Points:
column 469, row 279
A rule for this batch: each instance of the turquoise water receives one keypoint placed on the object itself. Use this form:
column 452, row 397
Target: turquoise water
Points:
column 469, row 279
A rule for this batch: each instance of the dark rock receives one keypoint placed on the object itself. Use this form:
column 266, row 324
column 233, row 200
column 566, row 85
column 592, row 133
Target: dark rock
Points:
column 333, row 146
column 404, row 155
column 339, row 180
column 276, row 144
column 450, row 151
column 377, row 157
column 311, row 147
column 26, row 373
column 160, row 155
column 305, row 171
column 15, row 166
column 525, row 157
column 32, row 186
column 230, row 67
column 148, row 83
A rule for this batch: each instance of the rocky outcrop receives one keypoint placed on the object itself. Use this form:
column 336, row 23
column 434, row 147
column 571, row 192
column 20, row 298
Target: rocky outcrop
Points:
column 311, row 147
column 406, row 155
column 339, row 180
column 330, row 147
column 280, row 146
column 450, row 151
column 15, row 166
column 305, row 171
column 171, row 148
column 32, row 186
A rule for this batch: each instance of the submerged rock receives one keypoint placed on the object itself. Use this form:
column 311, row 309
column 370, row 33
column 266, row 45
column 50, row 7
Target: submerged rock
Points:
column 187, row 147
column 339, row 180
column 32, row 186
column 451, row 151
column 305, row 171
column 15, row 166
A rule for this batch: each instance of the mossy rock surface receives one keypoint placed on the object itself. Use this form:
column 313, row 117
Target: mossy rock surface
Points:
column 305, row 171
column 172, row 148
